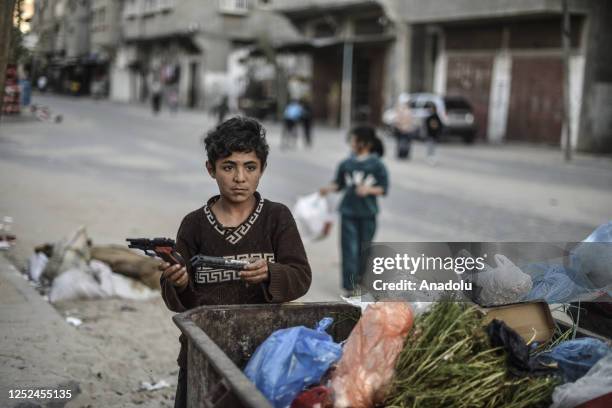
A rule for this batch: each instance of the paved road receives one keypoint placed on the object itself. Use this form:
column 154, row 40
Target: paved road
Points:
column 120, row 171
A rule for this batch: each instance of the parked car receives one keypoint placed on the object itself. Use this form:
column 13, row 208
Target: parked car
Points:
column 456, row 114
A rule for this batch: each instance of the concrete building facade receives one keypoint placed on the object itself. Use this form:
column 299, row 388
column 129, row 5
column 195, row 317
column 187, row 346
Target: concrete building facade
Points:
column 191, row 46
column 505, row 56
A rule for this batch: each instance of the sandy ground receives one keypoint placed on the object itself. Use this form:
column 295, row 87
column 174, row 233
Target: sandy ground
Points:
column 139, row 343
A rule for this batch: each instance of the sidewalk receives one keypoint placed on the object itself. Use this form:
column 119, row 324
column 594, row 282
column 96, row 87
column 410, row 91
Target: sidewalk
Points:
column 36, row 342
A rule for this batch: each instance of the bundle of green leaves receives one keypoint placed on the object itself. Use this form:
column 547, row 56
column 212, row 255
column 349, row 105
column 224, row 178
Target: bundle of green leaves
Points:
column 447, row 361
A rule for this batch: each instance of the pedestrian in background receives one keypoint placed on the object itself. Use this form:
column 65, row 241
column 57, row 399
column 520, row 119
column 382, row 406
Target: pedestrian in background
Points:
column 434, row 127
column 406, row 126
column 363, row 177
column 306, row 121
column 222, row 109
column 292, row 115
column 156, row 95
column 41, row 83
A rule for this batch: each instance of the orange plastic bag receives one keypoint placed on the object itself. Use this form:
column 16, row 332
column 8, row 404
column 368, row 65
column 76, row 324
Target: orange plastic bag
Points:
column 365, row 371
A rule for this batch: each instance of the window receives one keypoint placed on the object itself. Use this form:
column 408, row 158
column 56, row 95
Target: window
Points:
column 234, row 6
column 131, row 9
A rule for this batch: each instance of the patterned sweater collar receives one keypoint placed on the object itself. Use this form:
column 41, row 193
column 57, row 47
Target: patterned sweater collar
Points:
column 233, row 235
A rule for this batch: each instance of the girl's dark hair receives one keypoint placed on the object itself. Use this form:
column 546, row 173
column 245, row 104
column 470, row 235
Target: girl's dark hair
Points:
column 366, row 135
column 238, row 134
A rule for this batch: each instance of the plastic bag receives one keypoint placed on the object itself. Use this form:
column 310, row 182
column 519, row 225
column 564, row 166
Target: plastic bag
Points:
column 36, row 265
column 69, row 253
column 576, row 357
column 596, row 382
column 316, row 397
column 366, row 368
column 504, row 284
column 97, row 281
column 314, row 216
column 603, row 233
column 290, row 360
column 76, row 284
column 592, row 258
column 552, row 283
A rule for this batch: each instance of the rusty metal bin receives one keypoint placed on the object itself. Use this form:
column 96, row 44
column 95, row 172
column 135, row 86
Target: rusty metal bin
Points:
column 222, row 339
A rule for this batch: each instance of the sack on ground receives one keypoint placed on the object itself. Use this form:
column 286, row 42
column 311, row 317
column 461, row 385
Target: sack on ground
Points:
column 126, row 262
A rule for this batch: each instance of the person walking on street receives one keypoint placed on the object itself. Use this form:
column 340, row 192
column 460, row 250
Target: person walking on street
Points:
column 306, row 121
column 156, row 95
column 292, row 115
column 363, row 177
column 405, row 126
column 222, row 109
column 434, row 127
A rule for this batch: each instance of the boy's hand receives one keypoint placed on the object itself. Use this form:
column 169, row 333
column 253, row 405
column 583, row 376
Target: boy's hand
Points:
column 362, row 191
column 176, row 274
column 255, row 272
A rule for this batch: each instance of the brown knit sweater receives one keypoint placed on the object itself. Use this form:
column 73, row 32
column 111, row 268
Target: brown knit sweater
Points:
column 269, row 233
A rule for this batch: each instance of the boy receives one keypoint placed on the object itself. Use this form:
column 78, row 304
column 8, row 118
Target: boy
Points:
column 238, row 224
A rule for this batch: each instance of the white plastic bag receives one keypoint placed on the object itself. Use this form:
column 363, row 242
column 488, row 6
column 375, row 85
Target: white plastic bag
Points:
column 595, row 383
column 36, row 265
column 504, row 284
column 314, row 215
column 76, row 284
column 69, row 253
column 97, row 281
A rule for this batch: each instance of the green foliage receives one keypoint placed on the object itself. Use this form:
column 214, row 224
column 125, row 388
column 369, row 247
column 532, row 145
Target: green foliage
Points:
column 447, row 361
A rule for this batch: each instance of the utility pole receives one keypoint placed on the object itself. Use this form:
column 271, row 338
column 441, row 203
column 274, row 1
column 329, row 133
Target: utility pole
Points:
column 7, row 9
column 565, row 34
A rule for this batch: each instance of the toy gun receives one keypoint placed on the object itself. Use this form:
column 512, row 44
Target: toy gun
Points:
column 161, row 247
column 217, row 262
column 165, row 249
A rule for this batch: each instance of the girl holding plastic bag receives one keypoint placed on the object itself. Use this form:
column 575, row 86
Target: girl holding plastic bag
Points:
column 362, row 177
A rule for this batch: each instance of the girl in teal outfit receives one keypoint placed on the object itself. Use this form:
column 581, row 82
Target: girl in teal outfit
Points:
column 363, row 177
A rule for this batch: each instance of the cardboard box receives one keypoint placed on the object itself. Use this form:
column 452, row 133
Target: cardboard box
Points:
column 532, row 320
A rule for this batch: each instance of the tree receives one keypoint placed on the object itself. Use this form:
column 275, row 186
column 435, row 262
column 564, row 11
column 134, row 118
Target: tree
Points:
column 7, row 9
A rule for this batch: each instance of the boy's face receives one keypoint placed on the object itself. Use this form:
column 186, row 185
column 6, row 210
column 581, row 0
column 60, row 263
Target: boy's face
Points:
column 237, row 175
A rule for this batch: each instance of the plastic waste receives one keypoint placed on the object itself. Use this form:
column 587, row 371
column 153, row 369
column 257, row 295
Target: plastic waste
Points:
column 518, row 358
column 504, row 284
column 316, row 397
column 591, row 259
column 552, row 283
column 290, row 360
column 576, row 357
column 595, row 383
column 36, row 265
column 603, row 233
column 68, row 253
column 97, row 281
column 366, row 368
column 75, row 284
column 314, row 216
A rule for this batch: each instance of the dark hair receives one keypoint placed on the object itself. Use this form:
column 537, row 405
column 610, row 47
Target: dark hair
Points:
column 366, row 135
column 238, row 134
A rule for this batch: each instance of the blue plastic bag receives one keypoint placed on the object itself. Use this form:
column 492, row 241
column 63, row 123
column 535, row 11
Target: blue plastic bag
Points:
column 552, row 283
column 290, row 360
column 576, row 357
column 592, row 258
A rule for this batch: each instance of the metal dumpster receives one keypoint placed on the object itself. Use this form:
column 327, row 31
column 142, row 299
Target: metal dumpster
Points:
column 223, row 338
